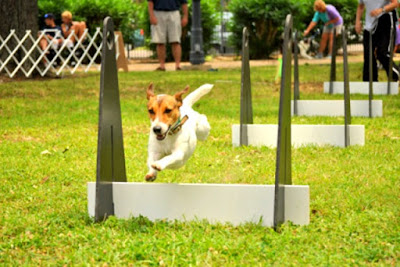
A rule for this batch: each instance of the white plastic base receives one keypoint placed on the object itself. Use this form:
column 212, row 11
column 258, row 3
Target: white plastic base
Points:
column 302, row 135
column 358, row 108
column 379, row 88
column 217, row 203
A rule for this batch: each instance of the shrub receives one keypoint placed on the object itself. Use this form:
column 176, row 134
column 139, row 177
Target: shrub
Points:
column 123, row 12
column 52, row 6
column 264, row 20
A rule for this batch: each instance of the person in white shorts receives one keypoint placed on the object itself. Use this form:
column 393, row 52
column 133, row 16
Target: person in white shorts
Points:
column 332, row 19
column 166, row 26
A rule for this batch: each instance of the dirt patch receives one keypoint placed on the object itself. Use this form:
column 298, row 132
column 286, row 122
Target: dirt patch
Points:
column 19, row 138
column 315, row 87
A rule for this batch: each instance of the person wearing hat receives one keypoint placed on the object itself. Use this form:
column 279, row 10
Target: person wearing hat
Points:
column 53, row 33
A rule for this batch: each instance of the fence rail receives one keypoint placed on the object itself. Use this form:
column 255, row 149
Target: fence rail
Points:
column 60, row 55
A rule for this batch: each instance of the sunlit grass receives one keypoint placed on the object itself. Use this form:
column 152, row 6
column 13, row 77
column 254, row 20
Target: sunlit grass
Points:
column 48, row 137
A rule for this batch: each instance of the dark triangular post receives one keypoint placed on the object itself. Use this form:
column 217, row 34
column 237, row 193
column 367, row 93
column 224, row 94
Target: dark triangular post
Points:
column 283, row 173
column 333, row 63
column 296, row 90
column 246, row 108
column 391, row 49
column 371, row 80
column 347, row 112
column 110, row 148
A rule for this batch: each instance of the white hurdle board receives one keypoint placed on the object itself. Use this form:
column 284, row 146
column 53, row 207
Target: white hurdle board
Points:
column 218, row 203
column 380, row 88
column 302, row 135
column 358, row 108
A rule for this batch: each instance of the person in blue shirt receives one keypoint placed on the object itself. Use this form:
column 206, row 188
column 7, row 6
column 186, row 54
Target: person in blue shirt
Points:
column 332, row 19
column 166, row 26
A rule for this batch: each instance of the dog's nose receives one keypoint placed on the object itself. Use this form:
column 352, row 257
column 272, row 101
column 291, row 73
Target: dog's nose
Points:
column 157, row 129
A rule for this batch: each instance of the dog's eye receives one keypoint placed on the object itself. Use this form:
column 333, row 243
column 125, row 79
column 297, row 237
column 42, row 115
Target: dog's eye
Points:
column 167, row 111
column 151, row 111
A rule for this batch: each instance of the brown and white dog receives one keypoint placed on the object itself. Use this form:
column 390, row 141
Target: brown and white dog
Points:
column 175, row 129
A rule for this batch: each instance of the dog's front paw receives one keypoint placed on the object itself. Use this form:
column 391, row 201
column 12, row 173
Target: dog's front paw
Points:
column 156, row 165
column 151, row 177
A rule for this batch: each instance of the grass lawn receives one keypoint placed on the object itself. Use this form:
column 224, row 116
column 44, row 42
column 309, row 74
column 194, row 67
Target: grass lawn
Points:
column 48, row 138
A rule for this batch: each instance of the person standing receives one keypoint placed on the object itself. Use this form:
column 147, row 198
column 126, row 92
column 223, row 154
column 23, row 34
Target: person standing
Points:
column 379, row 20
column 166, row 26
column 329, row 15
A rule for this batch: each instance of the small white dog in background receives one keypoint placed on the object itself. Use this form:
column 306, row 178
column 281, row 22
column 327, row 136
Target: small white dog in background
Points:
column 175, row 129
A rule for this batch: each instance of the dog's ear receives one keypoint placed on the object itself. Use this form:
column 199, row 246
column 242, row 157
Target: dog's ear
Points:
column 178, row 96
column 150, row 91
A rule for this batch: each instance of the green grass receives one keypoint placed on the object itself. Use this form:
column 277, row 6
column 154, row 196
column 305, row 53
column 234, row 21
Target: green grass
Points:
column 355, row 196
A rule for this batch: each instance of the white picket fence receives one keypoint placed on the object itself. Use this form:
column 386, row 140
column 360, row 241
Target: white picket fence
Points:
column 65, row 57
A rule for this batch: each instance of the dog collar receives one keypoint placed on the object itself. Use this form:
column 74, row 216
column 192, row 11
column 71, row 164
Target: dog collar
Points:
column 178, row 125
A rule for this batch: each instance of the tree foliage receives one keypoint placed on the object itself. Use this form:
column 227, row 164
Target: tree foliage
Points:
column 125, row 13
column 265, row 19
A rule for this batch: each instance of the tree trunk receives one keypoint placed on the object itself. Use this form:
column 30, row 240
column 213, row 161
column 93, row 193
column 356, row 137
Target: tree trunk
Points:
column 20, row 15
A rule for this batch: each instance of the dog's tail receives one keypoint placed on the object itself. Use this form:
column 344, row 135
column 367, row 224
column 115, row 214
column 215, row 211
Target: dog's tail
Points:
column 195, row 96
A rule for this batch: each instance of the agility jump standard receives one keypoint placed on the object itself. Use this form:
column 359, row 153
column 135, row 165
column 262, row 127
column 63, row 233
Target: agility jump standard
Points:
column 236, row 204
column 359, row 108
column 248, row 133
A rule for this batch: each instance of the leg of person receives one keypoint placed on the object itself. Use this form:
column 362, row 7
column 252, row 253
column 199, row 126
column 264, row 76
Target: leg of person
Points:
column 383, row 36
column 159, row 37
column 75, row 28
column 43, row 43
column 177, row 53
column 161, row 55
column 322, row 45
column 174, row 36
column 82, row 28
column 324, row 40
column 366, row 59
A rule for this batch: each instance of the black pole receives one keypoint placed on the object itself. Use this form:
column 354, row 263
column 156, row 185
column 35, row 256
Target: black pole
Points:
column 246, row 109
column 391, row 49
column 222, row 49
column 296, row 75
column 347, row 112
column 371, row 81
column 196, row 40
column 333, row 63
